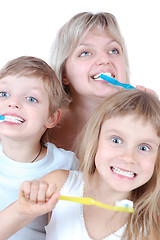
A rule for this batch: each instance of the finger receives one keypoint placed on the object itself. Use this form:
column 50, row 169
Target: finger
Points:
column 34, row 191
column 25, row 189
column 43, row 187
column 50, row 191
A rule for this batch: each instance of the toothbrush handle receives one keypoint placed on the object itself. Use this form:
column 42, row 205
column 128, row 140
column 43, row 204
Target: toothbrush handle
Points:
column 115, row 82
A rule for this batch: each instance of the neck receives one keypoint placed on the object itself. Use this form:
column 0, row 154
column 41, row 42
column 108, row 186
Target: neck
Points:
column 23, row 151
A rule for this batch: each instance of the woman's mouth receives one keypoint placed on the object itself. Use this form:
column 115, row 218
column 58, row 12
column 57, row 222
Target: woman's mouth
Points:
column 97, row 76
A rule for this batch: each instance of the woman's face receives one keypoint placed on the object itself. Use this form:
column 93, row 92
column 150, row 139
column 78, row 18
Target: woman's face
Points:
column 97, row 53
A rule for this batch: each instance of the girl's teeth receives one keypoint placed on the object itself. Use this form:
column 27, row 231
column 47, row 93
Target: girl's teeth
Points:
column 123, row 173
column 13, row 119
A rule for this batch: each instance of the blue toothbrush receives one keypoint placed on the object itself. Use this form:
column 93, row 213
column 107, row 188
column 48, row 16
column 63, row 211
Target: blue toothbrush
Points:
column 2, row 118
column 115, row 82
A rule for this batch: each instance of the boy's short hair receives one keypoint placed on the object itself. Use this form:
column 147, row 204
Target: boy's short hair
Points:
column 35, row 67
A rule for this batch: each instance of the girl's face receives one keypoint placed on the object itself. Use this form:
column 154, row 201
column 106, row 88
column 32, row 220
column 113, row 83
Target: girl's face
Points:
column 126, row 154
column 97, row 53
column 25, row 102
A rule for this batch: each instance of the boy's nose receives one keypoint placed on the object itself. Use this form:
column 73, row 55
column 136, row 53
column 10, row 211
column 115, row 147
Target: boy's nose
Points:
column 13, row 105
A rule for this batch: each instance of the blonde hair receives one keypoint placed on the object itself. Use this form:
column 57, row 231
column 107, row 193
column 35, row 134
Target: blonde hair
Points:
column 145, row 219
column 75, row 30
column 35, row 67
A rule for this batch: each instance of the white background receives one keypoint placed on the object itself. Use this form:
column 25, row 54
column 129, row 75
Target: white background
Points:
column 28, row 27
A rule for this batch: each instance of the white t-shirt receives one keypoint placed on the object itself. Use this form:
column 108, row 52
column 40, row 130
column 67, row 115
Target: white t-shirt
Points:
column 67, row 221
column 13, row 173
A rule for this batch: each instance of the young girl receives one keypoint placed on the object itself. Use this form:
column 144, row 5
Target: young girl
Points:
column 119, row 159
column 30, row 98
column 87, row 45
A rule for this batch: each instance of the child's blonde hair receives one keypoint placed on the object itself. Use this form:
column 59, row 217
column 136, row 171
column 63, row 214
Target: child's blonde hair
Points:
column 145, row 219
column 35, row 67
column 71, row 33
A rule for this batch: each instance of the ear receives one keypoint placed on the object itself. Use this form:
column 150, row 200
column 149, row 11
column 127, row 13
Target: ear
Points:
column 65, row 80
column 53, row 120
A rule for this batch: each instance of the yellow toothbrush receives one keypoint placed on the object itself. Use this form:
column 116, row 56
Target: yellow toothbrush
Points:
column 123, row 206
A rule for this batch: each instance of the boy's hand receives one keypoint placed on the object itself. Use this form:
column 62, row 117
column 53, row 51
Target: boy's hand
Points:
column 37, row 198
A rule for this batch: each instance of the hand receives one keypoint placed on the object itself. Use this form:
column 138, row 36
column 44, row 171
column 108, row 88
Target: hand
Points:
column 147, row 90
column 37, row 198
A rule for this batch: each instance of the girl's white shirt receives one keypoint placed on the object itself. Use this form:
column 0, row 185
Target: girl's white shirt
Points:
column 67, row 221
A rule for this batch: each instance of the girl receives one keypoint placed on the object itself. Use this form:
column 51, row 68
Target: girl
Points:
column 119, row 159
column 87, row 45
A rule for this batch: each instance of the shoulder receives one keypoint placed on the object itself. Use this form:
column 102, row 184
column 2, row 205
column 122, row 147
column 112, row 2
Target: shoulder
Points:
column 62, row 157
column 58, row 177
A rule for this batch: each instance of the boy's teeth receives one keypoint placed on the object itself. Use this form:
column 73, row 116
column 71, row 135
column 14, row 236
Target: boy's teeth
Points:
column 123, row 173
column 13, row 119
column 98, row 75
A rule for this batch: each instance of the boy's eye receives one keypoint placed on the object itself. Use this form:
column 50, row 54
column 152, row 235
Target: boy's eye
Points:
column 114, row 51
column 83, row 54
column 4, row 94
column 144, row 147
column 32, row 99
column 116, row 140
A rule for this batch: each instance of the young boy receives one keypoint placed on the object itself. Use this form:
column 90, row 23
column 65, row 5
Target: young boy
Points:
column 30, row 98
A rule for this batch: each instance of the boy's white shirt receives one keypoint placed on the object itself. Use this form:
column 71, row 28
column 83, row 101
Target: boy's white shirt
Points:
column 13, row 173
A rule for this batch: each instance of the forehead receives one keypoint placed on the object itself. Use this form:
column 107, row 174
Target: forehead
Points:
column 130, row 124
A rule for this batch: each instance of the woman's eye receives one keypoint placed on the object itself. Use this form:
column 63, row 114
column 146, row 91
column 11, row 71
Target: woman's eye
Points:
column 83, row 54
column 114, row 51
column 32, row 99
column 144, row 148
column 4, row 94
column 116, row 140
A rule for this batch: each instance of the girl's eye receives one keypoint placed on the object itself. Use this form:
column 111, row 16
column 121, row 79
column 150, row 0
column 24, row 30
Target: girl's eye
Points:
column 144, row 147
column 114, row 51
column 4, row 94
column 32, row 99
column 83, row 54
column 116, row 140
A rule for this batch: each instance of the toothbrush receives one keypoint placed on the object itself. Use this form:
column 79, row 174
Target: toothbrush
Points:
column 121, row 206
column 115, row 82
column 2, row 118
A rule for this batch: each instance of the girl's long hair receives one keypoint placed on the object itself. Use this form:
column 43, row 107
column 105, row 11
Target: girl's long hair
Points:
column 145, row 220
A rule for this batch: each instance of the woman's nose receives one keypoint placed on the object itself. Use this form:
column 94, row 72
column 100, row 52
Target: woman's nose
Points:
column 103, row 59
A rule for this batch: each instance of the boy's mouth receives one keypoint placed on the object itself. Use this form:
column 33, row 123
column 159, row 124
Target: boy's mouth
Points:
column 14, row 119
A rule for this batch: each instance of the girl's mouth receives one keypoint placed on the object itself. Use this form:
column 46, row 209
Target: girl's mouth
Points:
column 121, row 172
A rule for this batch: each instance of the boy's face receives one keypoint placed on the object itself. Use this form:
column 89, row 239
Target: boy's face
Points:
column 126, row 154
column 25, row 103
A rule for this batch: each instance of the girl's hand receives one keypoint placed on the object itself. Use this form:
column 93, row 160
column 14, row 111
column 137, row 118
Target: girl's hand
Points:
column 147, row 90
column 37, row 198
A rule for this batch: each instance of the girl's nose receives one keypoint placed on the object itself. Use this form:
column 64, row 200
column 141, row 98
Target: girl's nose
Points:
column 128, row 157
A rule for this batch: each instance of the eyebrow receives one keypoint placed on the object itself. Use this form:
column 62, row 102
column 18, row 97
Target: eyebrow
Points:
column 89, row 44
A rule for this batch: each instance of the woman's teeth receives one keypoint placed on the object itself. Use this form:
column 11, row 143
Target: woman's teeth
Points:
column 123, row 173
column 13, row 119
column 97, row 77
